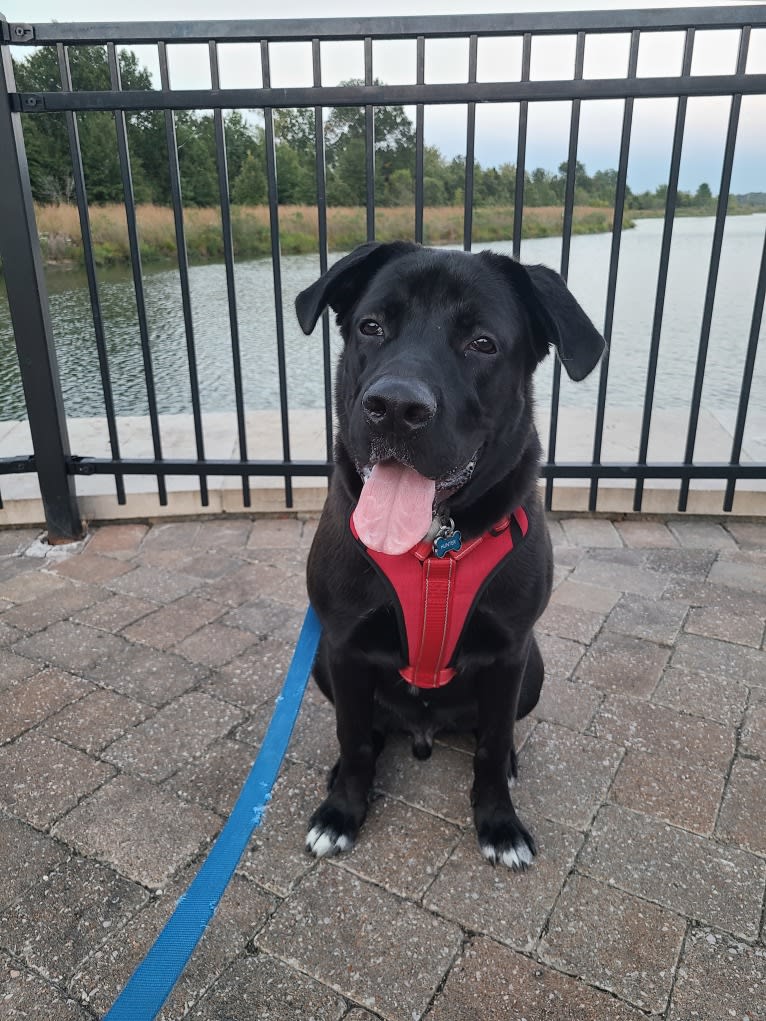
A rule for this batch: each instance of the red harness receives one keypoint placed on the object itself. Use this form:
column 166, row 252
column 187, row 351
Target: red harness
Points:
column 436, row 595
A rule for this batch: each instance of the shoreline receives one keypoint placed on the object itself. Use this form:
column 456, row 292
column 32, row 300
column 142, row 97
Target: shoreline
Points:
column 346, row 227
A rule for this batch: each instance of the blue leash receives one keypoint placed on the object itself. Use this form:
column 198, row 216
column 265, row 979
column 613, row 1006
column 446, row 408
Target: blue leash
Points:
column 154, row 978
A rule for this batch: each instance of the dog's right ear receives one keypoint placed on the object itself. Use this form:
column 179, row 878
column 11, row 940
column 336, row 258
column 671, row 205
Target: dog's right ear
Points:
column 341, row 284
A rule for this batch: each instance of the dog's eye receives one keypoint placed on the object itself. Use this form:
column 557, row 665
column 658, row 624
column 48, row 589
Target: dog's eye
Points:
column 483, row 345
column 371, row 328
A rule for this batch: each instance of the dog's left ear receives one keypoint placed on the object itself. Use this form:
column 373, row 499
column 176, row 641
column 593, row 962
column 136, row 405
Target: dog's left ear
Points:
column 556, row 316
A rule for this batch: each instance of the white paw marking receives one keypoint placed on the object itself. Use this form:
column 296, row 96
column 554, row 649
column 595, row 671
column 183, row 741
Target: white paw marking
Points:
column 324, row 843
column 517, row 857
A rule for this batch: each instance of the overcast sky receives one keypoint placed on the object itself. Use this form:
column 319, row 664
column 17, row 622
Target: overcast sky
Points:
column 447, row 60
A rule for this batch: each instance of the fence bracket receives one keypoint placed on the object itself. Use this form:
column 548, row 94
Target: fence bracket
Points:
column 20, row 33
column 17, row 465
column 30, row 102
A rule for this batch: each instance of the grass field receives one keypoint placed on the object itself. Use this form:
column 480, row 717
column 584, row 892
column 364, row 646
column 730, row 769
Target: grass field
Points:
column 59, row 229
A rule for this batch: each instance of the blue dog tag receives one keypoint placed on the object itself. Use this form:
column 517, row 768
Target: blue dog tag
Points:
column 444, row 543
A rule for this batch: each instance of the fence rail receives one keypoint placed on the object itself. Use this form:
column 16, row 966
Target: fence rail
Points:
column 53, row 461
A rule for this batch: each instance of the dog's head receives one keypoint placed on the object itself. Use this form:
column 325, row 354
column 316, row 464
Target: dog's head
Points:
column 440, row 347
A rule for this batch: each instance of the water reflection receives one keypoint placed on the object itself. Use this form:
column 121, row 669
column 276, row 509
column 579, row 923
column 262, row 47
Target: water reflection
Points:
column 639, row 258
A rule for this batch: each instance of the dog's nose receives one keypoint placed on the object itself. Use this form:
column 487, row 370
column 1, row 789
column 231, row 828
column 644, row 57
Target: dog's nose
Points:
column 402, row 405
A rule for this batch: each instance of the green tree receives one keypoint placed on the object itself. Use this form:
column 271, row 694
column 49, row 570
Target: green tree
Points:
column 250, row 187
column 195, row 137
column 46, row 137
column 703, row 196
column 345, row 134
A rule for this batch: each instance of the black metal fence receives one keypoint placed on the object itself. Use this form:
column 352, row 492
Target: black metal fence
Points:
column 57, row 466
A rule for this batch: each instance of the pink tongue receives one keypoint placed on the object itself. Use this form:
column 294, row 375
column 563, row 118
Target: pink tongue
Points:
column 395, row 509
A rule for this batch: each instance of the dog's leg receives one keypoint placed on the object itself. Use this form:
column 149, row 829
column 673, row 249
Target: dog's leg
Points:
column 378, row 744
column 532, row 681
column 335, row 824
column 503, row 838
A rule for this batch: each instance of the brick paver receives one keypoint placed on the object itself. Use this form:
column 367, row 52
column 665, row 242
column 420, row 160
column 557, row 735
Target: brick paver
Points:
column 717, row 698
column 41, row 779
column 568, row 703
column 173, row 736
column 144, row 832
column 622, row 664
column 24, row 995
column 657, row 620
column 271, row 991
column 41, row 613
column 684, row 795
column 388, row 970
column 588, row 532
column 742, row 817
column 720, row 978
column 565, row 776
column 741, row 570
column 615, row 941
column 138, row 677
column 497, row 901
column 27, row 855
column 173, row 622
column 520, row 988
column 57, row 923
column 402, row 848
column 722, row 658
column 646, row 534
column 646, row 727
column 753, row 737
column 701, row 535
column 687, row 873
column 96, row 720
column 31, row 701
column 719, row 622
column 15, row 668
column 71, row 646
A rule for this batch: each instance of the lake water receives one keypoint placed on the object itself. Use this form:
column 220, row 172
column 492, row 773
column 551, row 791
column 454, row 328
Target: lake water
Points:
column 639, row 259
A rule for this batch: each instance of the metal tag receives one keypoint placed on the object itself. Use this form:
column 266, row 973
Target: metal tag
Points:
column 447, row 539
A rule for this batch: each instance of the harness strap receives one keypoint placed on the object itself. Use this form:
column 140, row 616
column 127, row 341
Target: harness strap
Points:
column 437, row 582
column 435, row 596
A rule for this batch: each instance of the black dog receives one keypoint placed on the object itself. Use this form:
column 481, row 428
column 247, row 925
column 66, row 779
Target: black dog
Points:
column 434, row 406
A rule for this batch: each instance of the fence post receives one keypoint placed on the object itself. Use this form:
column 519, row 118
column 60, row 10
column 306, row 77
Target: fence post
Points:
column 28, row 302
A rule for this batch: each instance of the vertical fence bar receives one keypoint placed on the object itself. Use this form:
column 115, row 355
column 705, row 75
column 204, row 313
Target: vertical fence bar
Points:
column 715, row 262
column 614, row 258
column 470, row 145
column 566, row 240
column 521, row 149
column 276, row 264
column 135, row 261
column 420, row 77
column 369, row 143
column 176, row 198
column 32, row 329
column 662, row 273
column 747, row 376
column 321, row 184
column 228, row 254
column 81, row 194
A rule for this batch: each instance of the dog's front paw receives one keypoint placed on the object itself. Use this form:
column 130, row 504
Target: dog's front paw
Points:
column 504, row 841
column 331, row 830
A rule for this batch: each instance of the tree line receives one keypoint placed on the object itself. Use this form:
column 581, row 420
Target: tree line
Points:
column 295, row 154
